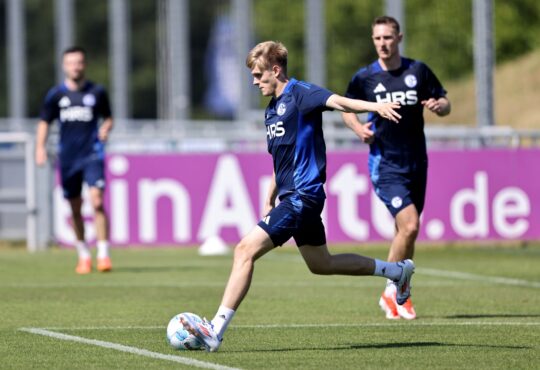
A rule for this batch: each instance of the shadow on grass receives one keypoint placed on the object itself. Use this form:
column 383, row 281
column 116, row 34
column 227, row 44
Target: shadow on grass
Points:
column 491, row 316
column 152, row 269
column 384, row 346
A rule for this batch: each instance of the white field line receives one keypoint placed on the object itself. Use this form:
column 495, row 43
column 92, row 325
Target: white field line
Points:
column 128, row 349
column 335, row 325
column 474, row 277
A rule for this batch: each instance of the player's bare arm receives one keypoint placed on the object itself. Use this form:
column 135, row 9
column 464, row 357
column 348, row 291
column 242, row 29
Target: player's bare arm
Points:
column 385, row 110
column 362, row 130
column 270, row 202
column 105, row 129
column 41, row 142
column 440, row 107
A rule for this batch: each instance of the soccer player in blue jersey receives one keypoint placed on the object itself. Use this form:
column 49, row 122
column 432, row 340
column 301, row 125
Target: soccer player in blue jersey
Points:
column 295, row 140
column 398, row 158
column 79, row 105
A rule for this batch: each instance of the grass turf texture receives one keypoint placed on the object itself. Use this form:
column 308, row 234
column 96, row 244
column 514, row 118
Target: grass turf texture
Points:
column 290, row 318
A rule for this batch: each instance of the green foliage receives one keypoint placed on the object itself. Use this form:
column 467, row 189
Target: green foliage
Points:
column 439, row 33
column 348, row 30
column 517, row 28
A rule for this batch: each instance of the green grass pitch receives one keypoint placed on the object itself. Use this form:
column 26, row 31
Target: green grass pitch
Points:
column 478, row 308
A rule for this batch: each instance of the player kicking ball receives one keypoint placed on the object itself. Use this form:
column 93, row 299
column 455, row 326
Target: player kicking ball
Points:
column 295, row 140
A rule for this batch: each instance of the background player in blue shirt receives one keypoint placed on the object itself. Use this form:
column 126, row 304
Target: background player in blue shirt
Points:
column 398, row 157
column 293, row 121
column 79, row 105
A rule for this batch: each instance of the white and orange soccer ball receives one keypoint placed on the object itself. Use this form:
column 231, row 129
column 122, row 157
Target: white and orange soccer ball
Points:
column 178, row 337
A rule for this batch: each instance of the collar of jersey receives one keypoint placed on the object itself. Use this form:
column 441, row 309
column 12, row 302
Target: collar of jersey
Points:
column 290, row 84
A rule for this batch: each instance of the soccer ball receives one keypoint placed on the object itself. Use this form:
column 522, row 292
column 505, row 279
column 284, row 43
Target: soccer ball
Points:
column 178, row 337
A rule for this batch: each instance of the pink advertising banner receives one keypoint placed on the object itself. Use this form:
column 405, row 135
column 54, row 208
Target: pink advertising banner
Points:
column 183, row 199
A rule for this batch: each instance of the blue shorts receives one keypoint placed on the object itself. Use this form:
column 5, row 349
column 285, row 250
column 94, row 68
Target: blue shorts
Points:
column 296, row 216
column 72, row 176
column 399, row 190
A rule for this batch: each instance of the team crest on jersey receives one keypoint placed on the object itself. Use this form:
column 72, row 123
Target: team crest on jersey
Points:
column 64, row 102
column 281, row 109
column 397, row 202
column 410, row 80
column 89, row 100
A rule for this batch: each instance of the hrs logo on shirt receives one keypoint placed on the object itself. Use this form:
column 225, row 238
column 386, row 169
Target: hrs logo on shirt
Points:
column 408, row 97
column 275, row 130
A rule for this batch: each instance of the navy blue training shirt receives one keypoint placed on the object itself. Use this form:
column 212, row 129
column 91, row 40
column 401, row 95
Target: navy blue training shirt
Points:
column 295, row 138
column 78, row 113
column 397, row 146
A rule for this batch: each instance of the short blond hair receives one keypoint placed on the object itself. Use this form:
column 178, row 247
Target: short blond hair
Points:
column 266, row 54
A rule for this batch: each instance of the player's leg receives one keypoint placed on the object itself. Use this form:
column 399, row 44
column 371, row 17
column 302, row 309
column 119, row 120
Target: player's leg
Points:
column 94, row 176
column 396, row 191
column 321, row 262
column 407, row 228
column 253, row 246
column 84, row 264
column 71, row 179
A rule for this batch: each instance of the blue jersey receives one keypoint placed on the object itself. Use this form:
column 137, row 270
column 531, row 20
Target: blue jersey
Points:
column 398, row 147
column 295, row 138
column 78, row 113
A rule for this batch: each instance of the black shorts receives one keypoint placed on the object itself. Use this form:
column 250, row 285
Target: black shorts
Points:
column 296, row 216
column 72, row 176
column 399, row 190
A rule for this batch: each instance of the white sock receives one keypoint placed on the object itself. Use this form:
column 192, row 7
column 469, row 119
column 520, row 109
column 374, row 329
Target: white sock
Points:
column 102, row 249
column 390, row 287
column 389, row 270
column 222, row 319
column 82, row 249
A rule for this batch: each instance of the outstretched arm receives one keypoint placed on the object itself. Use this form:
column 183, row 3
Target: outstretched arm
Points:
column 385, row 110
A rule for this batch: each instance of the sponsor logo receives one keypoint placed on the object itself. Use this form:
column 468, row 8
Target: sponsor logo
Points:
column 281, row 109
column 64, row 102
column 89, row 100
column 410, row 81
column 266, row 220
column 408, row 97
column 83, row 114
column 397, row 202
column 379, row 88
column 275, row 130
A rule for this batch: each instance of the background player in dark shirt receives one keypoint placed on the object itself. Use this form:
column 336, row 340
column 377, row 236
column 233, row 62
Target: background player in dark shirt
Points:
column 79, row 105
column 398, row 156
column 293, row 121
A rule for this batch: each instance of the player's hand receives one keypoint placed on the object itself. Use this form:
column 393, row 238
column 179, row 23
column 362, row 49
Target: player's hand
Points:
column 41, row 156
column 103, row 133
column 433, row 105
column 267, row 208
column 387, row 111
column 365, row 133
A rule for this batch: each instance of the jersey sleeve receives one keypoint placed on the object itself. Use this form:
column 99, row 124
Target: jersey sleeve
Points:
column 354, row 89
column 104, row 106
column 49, row 110
column 310, row 97
column 433, row 87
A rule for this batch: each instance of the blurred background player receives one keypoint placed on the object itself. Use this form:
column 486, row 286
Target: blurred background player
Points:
column 78, row 105
column 398, row 158
column 294, row 133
